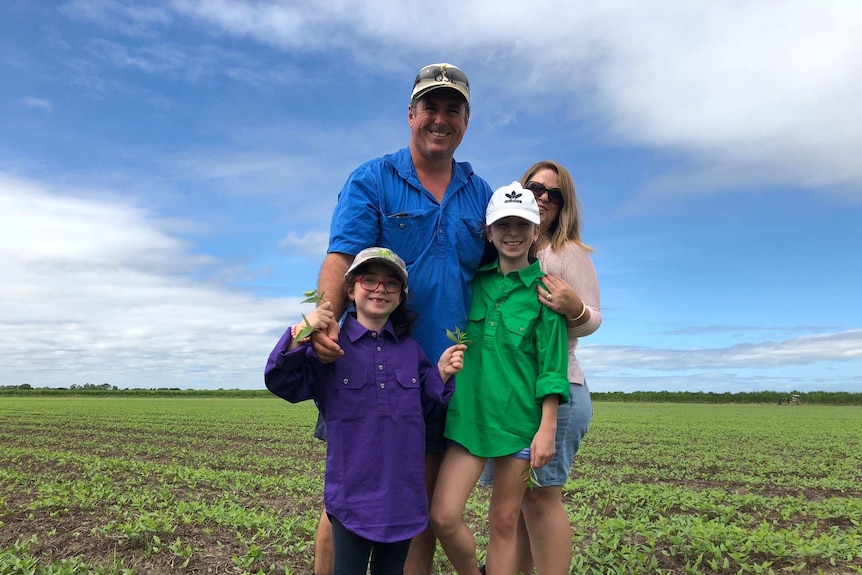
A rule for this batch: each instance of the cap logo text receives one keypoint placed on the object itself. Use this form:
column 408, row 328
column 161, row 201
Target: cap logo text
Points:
column 512, row 197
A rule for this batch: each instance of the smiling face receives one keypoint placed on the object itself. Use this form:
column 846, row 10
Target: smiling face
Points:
column 548, row 211
column 437, row 124
column 377, row 291
column 513, row 236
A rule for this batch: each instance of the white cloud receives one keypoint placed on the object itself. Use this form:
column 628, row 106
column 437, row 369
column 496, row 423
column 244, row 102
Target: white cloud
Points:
column 95, row 291
column 37, row 103
column 753, row 91
column 122, row 16
column 835, row 347
column 312, row 243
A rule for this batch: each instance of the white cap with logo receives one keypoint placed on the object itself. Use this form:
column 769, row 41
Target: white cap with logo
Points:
column 512, row 200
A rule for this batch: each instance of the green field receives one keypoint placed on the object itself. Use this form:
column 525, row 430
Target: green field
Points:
column 233, row 485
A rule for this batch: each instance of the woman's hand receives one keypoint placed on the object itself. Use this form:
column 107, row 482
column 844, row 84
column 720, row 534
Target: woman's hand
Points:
column 557, row 295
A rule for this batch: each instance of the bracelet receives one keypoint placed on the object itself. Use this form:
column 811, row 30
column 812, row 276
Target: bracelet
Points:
column 580, row 315
column 296, row 329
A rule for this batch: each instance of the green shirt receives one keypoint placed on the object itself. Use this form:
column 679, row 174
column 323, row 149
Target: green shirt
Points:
column 517, row 357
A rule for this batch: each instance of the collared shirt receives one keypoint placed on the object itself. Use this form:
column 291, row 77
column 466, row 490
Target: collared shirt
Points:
column 383, row 203
column 517, row 357
column 373, row 399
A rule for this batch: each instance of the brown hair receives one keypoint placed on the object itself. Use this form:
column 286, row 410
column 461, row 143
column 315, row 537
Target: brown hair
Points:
column 567, row 226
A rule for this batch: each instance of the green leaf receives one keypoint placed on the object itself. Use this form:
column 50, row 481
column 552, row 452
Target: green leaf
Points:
column 312, row 296
column 530, row 478
column 306, row 331
column 458, row 336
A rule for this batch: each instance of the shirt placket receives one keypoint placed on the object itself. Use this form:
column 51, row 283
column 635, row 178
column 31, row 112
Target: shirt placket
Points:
column 383, row 379
column 494, row 313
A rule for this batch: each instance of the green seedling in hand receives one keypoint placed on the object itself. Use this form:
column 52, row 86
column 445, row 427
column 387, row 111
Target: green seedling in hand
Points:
column 458, row 336
column 530, row 478
column 310, row 297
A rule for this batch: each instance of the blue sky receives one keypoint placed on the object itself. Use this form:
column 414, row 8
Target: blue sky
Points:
column 168, row 170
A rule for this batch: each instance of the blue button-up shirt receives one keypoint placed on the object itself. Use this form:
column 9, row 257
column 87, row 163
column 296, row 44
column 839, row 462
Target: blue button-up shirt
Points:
column 383, row 203
column 373, row 399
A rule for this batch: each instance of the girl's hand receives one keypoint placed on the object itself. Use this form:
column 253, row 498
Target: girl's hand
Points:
column 452, row 361
column 542, row 448
column 320, row 317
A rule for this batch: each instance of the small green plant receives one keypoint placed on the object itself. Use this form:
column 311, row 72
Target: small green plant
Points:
column 458, row 336
column 530, row 478
column 310, row 297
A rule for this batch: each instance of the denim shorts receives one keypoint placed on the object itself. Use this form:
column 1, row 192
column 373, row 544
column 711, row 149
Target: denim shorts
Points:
column 435, row 424
column 573, row 420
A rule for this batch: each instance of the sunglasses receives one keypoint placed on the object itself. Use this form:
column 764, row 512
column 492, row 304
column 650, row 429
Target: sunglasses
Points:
column 555, row 195
column 371, row 283
column 442, row 73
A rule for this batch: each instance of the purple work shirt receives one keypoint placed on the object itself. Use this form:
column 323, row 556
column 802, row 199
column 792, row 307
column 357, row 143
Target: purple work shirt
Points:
column 373, row 399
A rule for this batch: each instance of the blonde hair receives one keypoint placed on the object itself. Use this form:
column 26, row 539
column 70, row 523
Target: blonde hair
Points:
column 567, row 226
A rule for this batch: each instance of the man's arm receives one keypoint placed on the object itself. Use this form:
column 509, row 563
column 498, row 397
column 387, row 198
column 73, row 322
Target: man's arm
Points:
column 331, row 284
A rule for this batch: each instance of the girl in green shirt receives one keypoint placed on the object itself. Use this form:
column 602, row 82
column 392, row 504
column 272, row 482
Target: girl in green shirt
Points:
column 505, row 402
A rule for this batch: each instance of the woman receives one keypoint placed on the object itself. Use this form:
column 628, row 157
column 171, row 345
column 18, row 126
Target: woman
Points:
column 545, row 535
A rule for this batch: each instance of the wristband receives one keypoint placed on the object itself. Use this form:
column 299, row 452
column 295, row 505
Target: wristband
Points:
column 580, row 315
column 296, row 329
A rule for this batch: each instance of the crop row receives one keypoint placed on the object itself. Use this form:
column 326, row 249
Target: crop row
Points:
column 155, row 485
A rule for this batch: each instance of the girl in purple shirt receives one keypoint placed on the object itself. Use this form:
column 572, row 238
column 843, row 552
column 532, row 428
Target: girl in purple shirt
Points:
column 373, row 399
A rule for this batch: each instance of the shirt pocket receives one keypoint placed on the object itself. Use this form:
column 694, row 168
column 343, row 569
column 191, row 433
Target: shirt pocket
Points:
column 408, row 400
column 409, row 233
column 351, row 393
column 471, row 242
column 518, row 331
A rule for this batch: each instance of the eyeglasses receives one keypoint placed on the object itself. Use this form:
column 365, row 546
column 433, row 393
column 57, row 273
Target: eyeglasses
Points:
column 555, row 195
column 371, row 283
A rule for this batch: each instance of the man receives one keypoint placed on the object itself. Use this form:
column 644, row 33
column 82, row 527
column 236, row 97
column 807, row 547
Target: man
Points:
column 429, row 209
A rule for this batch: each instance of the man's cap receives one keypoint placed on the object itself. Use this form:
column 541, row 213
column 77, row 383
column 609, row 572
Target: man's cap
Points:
column 512, row 200
column 380, row 255
column 434, row 76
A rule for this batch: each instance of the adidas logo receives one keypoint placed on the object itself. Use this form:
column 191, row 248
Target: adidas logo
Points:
column 512, row 197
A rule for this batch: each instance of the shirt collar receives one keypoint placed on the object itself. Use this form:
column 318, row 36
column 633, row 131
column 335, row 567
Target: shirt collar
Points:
column 527, row 275
column 403, row 163
column 355, row 330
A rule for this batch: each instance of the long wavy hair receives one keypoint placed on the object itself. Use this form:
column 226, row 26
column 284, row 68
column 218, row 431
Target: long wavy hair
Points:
column 567, row 226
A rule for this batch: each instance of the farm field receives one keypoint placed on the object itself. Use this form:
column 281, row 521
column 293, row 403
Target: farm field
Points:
column 151, row 485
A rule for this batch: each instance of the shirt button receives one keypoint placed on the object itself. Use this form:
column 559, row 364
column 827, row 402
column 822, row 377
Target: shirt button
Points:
column 402, row 226
column 492, row 324
column 380, row 368
column 374, row 334
column 440, row 231
column 522, row 329
column 496, row 305
column 379, row 348
column 382, row 385
column 413, row 380
column 345, row 381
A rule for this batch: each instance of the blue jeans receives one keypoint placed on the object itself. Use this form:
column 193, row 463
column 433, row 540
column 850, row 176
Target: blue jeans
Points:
column 352, row 553
column 573, row 420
